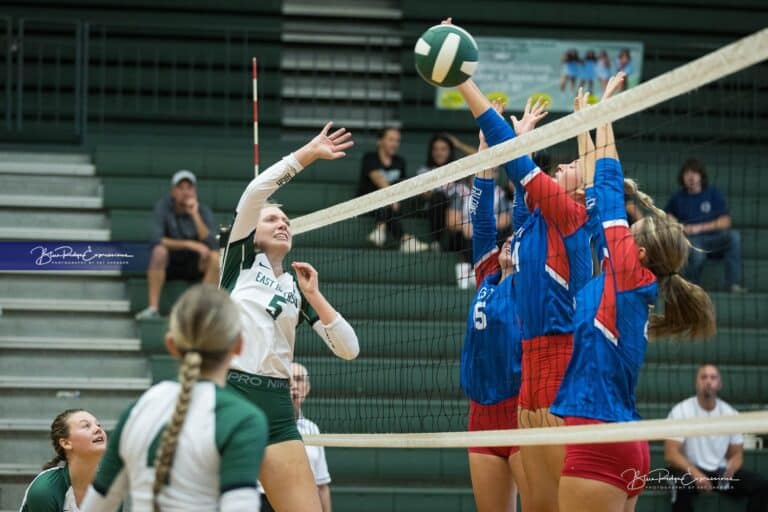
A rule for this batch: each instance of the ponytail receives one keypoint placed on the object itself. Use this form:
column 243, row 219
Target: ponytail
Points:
column 204, row 325
column 688, row 309
column 189, row 371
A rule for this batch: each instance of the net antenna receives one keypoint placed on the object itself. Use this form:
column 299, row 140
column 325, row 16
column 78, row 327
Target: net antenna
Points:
column 255, row 118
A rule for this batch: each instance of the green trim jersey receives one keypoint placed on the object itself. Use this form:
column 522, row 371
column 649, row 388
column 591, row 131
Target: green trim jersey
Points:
column 217, row 460
column 50, row 491
column 271, row 306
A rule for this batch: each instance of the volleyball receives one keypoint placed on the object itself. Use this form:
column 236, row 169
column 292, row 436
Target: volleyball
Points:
column 445, row 55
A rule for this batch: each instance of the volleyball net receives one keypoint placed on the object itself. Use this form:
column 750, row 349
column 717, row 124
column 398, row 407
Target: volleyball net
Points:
column 409, row 302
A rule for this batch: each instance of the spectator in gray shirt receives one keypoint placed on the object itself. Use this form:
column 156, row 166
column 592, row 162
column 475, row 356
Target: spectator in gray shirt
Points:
column 183, row 241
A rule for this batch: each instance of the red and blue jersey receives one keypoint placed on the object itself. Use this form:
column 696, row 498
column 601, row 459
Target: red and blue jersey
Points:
column 551, row 248
column 612, row 311
column 491, row 355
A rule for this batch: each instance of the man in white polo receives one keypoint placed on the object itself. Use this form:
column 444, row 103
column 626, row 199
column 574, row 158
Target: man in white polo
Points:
column 710, row 463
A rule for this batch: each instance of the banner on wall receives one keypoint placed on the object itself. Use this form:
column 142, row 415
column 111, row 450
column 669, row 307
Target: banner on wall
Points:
column 516, row 69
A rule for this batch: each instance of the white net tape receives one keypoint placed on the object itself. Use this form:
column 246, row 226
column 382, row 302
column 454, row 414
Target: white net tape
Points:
column 652, row 430
column 729, row 59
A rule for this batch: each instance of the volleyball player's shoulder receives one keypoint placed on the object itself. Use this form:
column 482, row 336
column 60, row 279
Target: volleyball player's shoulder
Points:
column 47, row 490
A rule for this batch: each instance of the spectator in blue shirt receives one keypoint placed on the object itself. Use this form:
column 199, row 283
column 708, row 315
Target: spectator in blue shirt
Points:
column 704, row 213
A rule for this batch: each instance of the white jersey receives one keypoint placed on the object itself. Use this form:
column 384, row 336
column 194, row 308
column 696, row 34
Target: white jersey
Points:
column 706, row 452
column 217, row 458
column 270, row 306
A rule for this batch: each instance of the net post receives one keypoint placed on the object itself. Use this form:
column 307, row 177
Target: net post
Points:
column 255, row 118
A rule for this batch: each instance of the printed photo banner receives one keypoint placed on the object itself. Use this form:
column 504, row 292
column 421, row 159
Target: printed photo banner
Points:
column 515, row 69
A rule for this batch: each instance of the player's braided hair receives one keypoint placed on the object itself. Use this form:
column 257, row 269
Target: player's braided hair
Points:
column 59, row 431
column 204, row 324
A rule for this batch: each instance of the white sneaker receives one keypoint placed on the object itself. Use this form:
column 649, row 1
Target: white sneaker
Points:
column 147, row 314
column 465, row 275
column 412, row 244
column 378, row 236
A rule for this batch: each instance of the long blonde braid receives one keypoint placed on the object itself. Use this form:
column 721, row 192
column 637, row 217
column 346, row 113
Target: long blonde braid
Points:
column 204, row 324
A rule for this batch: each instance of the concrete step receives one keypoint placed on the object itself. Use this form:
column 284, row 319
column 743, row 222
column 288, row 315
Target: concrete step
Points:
column 80, row 186
column 34, row 201
column 66, row 169
column 24, row 440
column 77, row 305
column 50, row 158
column 85, row 325
column 49, row 218
column 65, row 287
column 91, row 363
column 350, row 62
column 54, row 343
column 44, row 233
column 45, row 397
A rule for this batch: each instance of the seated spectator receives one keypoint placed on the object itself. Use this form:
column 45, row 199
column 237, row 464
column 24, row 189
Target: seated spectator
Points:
column 441, row 150
column 459, row 226
column 703, row 212
column 710, row 463
column 380, row 169
column 183, row 241
column 299, row 391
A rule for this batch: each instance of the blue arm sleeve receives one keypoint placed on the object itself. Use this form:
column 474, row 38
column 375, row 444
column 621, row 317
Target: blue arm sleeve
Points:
column 496, row 131
column 482, row 217
column 520, row 212
column 608, row 190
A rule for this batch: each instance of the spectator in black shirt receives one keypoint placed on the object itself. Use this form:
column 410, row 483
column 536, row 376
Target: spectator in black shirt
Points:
column 380, row 169
column 183, row 241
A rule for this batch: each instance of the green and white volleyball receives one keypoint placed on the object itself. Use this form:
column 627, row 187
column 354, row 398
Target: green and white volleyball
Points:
column 446, row 55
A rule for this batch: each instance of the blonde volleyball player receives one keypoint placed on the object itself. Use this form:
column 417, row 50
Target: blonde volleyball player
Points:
column 79, row 442
column 612, row 323
column 272, row 305
column 194, row 445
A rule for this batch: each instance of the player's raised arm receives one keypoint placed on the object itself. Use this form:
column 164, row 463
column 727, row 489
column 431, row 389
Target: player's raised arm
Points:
column 325, row 146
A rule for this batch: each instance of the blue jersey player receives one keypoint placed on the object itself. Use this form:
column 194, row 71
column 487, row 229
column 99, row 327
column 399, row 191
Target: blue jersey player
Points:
column 612, row 323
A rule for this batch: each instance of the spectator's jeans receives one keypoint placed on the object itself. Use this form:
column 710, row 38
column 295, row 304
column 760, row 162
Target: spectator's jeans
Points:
column 724, row 244
column 745, row 483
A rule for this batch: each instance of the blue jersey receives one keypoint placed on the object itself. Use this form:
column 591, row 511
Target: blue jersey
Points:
column 611, row 320
column 491, row 355
column 551, row 248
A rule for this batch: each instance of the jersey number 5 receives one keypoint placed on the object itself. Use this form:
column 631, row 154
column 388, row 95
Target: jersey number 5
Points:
column 481, row 322
column 276, row 306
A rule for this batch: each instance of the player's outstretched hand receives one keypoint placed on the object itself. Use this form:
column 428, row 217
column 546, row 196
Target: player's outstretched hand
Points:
column 307, row 277
column 533, row 113
column 327, row 146
column 581, row 101
column 615, row 83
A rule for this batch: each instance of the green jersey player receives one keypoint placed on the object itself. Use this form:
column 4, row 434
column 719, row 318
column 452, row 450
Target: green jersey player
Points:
column 79, row 442
column 272, row 303
column 194, row 445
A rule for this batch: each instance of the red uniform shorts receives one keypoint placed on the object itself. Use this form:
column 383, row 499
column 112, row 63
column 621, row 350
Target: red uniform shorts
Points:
column 545, row 359
column 499, row 416
column 623, row 465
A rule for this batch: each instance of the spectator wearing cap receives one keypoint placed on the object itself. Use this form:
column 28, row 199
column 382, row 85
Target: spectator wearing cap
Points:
column 183, row 241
